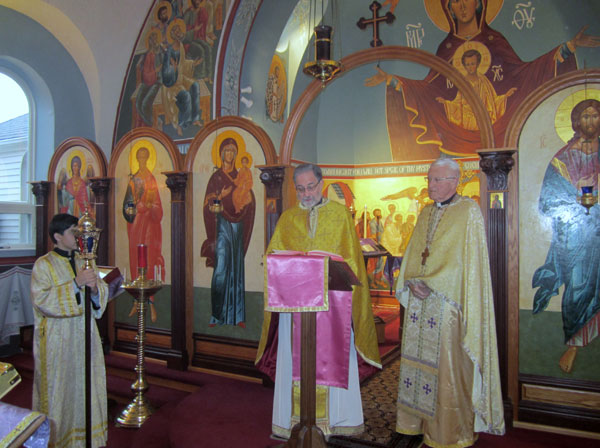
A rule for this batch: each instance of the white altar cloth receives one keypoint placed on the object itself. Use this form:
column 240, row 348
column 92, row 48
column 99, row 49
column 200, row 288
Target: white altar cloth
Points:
column 15, row 304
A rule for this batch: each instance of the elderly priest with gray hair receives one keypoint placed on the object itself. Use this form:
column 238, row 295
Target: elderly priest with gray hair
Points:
column 449, row 384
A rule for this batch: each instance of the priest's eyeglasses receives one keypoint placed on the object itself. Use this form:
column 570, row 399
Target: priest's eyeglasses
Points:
column 438, row 179
column 310, row 188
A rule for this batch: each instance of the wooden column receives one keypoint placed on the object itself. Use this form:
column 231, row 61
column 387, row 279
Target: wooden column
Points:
column 497, row 164
column 101, row 187
column 272, row 177
column 41, row 192
column 177, row 357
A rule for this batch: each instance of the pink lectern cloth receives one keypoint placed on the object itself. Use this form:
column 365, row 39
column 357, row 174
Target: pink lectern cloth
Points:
column 297, row 283
column 333, row 341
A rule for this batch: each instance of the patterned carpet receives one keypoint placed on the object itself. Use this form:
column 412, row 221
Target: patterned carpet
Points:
column 379, row 408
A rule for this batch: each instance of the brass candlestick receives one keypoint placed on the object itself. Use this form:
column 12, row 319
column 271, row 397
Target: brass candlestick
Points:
column 136, row 413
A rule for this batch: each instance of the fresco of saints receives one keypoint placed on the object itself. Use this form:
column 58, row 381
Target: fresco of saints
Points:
column 392, row 235
column 362, row 230
column 496, row 202
column 228, row 230
column 375, row 265
column 149, row 68
column 72, row 193
column 199, row 40
column 142, row 209
column 242, row 195
column 276, row 94
column 458, row 110
column 418, row 126
column 573, row 260
column 180, row 92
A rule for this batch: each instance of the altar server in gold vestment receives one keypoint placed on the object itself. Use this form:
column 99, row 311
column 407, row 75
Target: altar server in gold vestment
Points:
column 449, row 383
column 58, row 283
column 317, row 223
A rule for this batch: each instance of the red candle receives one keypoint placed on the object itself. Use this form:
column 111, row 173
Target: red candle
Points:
column 142, row 255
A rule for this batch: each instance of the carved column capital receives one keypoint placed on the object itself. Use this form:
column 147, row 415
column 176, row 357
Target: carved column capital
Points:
column 496, row 165
column 177, row 183
column 272, row 178
column 100, row 185
column 40, row 190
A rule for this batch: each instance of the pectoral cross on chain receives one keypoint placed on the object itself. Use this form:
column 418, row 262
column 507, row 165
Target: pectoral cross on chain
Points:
column 424, row 255
column 362, row 22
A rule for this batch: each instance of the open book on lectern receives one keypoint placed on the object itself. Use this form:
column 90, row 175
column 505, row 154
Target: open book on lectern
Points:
column 341, row 276
column 113, row 278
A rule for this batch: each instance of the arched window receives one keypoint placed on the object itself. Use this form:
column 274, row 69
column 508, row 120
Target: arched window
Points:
column 17, row 211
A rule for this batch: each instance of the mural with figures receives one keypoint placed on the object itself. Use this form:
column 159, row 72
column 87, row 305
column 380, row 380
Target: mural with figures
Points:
column 559, row 287
column 228, row 211
column 170, row 84
column 391, row 205
column 142, row 216
column 229, row 206
column 73, row 171
column 430, row 116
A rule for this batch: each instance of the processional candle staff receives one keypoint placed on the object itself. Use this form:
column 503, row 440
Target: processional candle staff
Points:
column 87, row 236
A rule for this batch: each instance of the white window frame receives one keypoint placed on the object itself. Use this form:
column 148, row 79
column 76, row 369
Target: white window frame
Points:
column 27, row 206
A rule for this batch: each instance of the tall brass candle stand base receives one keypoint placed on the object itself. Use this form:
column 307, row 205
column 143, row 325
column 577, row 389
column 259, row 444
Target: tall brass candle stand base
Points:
column 136, row 413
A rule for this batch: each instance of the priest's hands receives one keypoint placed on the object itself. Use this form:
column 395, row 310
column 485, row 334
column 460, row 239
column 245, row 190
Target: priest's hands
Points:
column 87, row 277
column 419, row 289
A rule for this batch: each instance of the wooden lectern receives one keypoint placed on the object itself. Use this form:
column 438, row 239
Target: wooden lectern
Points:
column 282, row 296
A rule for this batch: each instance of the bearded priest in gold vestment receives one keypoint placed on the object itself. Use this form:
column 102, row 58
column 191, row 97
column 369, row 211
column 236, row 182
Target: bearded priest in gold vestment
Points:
column 58, row 281
column 317, row 223
column 449, row 382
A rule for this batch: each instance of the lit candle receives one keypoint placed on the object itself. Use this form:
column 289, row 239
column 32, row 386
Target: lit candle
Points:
column 142, row 255
column 365, row 222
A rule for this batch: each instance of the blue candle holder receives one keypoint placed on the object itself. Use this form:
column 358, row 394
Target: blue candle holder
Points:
column 588, row 200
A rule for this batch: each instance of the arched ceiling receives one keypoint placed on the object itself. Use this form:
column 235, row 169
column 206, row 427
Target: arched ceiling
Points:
column 67, row 33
